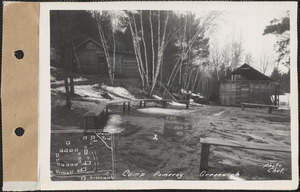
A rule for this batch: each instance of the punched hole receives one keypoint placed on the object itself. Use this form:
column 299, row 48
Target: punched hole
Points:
column 19, row 54
column 19, row 131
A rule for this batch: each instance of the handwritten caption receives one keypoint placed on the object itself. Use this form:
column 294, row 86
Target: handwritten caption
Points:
column 158, row 174
column 276, row 167
column 219, row 175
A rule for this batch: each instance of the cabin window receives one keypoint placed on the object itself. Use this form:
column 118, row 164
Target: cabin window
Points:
column 101, row 60
column 91, row 45
column 238, row 77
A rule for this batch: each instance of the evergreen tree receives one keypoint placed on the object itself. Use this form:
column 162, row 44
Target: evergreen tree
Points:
column 281, row 28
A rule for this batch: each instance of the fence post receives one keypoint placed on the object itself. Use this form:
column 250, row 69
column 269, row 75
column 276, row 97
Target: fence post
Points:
column 270, row 110
column 204, row 157
column 128, row 106
column 188, row 100
column 164, row 104
column 124, row 105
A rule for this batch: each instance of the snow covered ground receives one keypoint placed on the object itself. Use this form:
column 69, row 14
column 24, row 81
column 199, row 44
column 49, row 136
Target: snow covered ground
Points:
column 113, row 124
column 118, row 91
column 61, row 82
column 165, row 111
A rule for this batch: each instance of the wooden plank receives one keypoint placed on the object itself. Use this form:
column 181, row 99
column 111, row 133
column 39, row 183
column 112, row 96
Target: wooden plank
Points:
column 96, row 111
column 245, row 145
column 119, row 101
column 259, row 105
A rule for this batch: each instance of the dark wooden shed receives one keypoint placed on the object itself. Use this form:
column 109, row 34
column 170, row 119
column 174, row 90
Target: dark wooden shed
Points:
column 247, row 85
column 92, row 60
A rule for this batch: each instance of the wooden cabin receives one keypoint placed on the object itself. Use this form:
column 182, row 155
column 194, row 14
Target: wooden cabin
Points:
column 247, row 85
column 92, row 60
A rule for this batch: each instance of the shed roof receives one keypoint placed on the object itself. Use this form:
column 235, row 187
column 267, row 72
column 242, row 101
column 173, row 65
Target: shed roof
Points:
column 249, row 73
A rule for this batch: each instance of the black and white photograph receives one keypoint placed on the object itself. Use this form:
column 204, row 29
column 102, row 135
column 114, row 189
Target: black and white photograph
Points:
column 171, row 94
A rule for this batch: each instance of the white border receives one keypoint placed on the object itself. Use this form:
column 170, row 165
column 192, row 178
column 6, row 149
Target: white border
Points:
column 45, row 102
column 20, row 186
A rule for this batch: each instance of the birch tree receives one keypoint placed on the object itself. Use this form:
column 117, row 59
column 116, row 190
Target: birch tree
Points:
column 140, row 46
column 100, row 16
column 161, row 47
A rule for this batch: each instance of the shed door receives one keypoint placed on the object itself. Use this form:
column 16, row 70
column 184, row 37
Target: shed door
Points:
column 102, row 64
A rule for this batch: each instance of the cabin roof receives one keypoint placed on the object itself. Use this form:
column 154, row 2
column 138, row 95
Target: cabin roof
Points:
column 97, row 43
column 87, row 40
column 249, row 73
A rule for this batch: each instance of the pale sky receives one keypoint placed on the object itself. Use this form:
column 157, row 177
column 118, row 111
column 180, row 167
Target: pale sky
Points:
column 249, row 24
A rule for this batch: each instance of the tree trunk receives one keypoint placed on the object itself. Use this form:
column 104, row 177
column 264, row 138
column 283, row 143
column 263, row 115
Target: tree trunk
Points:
column 76, row 58
column 138, row 49
column 196, row 78
column 66, row 71
column 111, row 64
column 160, row 52
column 218, row 75
column 70, row 63
column 144, row 43
column 138, row 59
column 114, row 60
column 152, row 44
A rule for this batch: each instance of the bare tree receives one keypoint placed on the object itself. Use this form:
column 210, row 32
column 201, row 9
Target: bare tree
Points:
column 216, row 58
column 236, row 52
column 249, row 59
column 232, row 53
column 206, row 22
column 265, row 61
column 226, row 57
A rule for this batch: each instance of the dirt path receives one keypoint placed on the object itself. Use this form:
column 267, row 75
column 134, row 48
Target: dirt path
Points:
column 138, row 151
column 145, row 150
